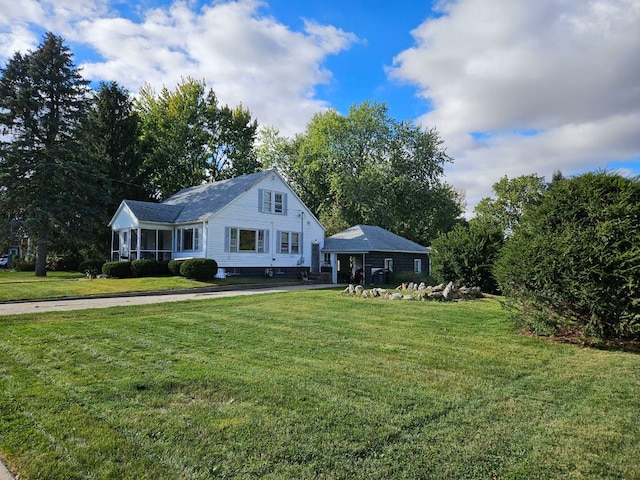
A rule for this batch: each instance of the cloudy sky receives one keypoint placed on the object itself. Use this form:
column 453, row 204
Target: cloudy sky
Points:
column 513, row 86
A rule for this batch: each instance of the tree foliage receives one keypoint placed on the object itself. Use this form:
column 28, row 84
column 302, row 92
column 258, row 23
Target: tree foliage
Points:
column 512, row 196
column 466, row 255
column 114, row 137
column 189, row 138
column 366, row 167
column 48, row 177
column 573, row 261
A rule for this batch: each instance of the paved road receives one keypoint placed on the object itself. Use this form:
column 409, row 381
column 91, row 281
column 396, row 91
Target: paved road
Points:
column 146, row 299
column 61, row 305
column 5, row 474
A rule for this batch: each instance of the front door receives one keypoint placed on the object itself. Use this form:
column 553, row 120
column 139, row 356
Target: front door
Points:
column 315, row 257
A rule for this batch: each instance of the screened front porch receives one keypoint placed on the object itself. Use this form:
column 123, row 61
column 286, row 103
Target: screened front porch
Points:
column 139, row 243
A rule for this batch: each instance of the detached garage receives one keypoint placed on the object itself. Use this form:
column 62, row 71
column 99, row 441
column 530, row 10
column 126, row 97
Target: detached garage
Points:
column 368, row 254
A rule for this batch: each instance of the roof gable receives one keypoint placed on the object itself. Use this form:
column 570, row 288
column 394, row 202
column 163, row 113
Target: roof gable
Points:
column 369, row 238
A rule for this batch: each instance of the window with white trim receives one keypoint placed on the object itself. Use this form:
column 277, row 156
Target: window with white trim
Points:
column 289, row 242
column 388, row 264
column 244, row 240
column 188, row 239
column 273, row 202
column 417, row 265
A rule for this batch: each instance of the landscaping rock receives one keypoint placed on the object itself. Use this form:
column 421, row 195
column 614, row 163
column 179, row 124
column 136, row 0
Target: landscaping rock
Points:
column 447, row 294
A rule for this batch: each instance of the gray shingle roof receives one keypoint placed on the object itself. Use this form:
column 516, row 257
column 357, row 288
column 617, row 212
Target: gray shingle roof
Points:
column 153, row 212
column 369, row 238
column 195, row 204
column 200, row 202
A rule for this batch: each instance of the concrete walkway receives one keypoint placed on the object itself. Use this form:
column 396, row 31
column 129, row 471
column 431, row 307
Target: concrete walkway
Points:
column 143, row 298
column 5, row 474
column 61, row 305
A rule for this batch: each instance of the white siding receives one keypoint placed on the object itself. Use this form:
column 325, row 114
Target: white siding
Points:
column 244, row 213
column 124, row 219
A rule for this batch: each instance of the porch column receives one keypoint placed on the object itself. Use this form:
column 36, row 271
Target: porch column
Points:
column 334, row 267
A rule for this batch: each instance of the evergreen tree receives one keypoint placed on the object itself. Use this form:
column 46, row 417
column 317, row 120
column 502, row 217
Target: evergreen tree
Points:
column 572, row 263
column 50, row 182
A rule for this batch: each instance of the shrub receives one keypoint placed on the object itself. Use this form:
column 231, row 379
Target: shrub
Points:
column 68, row 263
column 174, row 266
column 23, row 265
column 163, row 268
column 466, row 254
column 573, row 261
column 117, row 269
column 145, row 268
column 90, row 267
column 200, row 269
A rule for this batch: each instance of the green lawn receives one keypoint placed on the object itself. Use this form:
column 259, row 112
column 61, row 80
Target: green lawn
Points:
column 309, row 385
column 26, row 286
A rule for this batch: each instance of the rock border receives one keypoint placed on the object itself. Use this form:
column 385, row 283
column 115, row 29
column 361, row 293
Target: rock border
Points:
column 413, row 291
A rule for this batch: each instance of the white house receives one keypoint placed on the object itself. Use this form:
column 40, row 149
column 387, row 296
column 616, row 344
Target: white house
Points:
column 251, row 225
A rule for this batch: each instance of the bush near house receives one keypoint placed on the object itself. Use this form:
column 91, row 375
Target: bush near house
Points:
column 117, row 269
column 90, row 267
column 174, row 266
column 149, row 268
column 201, row 269
column 23, row 265
column 68, row 263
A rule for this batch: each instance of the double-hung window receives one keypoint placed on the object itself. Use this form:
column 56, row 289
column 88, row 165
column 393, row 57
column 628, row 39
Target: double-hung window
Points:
column 289, row 242
column 272, row 202
column 188, row 239
column 417, row 265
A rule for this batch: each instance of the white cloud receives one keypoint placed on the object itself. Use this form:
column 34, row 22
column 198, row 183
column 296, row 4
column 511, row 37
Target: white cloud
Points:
column 244, row 55
column 567, row 70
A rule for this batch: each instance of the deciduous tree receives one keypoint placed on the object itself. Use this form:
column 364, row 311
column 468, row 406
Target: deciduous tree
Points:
column 368, row 168
column 512, row 196
column 189, row 138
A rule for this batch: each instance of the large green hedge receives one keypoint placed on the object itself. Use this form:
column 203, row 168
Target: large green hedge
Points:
column 117, row 269
column 574, row 261
column 466, row 254
column 149, row 268
column 201, row 269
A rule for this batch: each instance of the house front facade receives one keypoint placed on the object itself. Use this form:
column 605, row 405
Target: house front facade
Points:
column 251, row 225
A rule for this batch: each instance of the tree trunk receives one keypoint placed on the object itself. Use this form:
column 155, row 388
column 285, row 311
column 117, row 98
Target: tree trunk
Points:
column 41, row 258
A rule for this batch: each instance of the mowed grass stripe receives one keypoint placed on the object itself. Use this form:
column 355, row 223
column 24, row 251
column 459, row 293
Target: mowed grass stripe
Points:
column 310, row 385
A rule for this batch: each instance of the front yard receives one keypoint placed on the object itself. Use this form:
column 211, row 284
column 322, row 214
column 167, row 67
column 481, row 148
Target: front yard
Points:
column 309, row 385
column 16, row 286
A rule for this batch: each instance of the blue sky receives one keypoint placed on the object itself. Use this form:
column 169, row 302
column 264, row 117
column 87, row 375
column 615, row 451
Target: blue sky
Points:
column 513, row 87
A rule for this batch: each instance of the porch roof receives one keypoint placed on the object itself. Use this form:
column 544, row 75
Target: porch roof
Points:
column 153, row 212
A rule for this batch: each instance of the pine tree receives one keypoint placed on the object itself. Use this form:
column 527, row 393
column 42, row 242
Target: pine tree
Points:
column 50, row 182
